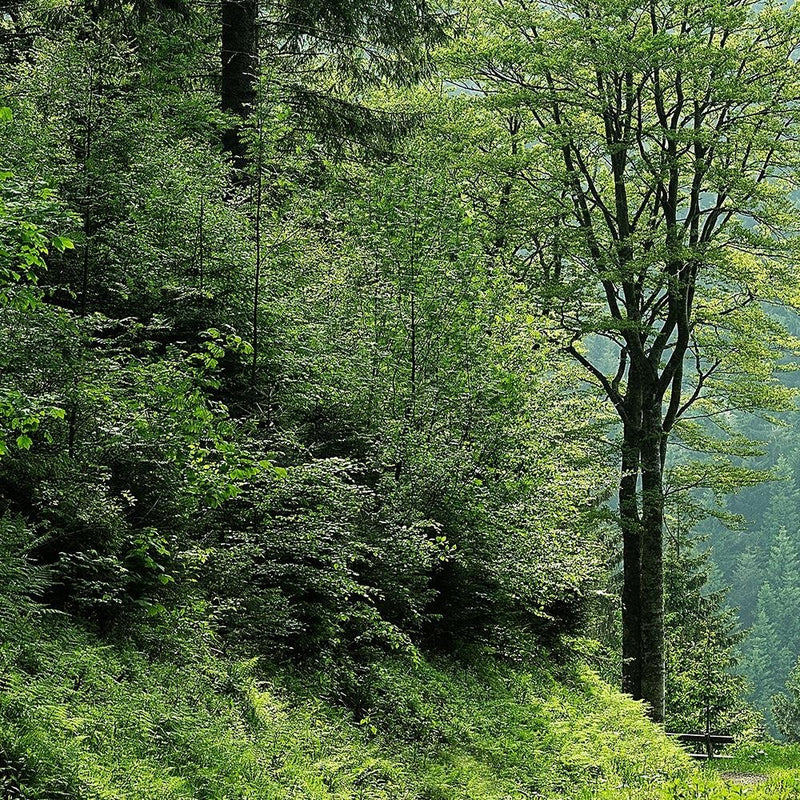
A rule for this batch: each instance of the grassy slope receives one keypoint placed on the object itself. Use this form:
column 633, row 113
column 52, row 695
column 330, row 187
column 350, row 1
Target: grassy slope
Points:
column 82, row 719
column 757, row 771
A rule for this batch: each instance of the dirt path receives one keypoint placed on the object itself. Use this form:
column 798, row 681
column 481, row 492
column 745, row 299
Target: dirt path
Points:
column 743, row 778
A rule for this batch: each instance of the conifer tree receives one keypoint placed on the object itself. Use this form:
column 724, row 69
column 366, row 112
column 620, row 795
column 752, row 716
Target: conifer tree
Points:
column 360, row 43
column 746, row 582
column 761, row 659
column 786, row 707
column 239, row 69
column 704, row 685
column 774, row 643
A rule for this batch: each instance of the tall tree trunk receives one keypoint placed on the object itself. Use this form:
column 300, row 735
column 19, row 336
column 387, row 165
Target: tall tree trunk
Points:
column 257, row 273
column 631, row 561
column 642, row 524
column 239, row 62
column 652, row 560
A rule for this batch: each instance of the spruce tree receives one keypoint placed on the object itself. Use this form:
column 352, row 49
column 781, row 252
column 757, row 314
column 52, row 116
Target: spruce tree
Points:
column 704, row 684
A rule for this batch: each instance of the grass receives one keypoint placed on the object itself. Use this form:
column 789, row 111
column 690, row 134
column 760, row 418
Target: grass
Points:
column 83, row 719
column 772, row 772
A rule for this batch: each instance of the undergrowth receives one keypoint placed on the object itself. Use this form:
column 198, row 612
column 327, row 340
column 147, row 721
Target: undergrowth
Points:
column 85, row 719
column 754, row 770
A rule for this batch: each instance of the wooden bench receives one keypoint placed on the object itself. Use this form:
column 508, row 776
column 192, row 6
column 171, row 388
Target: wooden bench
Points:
column 710, row 742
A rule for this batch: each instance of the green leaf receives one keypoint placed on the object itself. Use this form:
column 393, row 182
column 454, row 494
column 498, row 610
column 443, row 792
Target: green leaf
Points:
column 62, row 243
column 24, row 442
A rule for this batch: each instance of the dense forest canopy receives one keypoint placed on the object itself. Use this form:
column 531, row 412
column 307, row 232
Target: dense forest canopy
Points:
column 340, row 335
column 309, row 379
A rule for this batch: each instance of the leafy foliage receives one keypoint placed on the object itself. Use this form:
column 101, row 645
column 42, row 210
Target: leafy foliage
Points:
column 299, row 490
column 84, row 719
column 786, row 708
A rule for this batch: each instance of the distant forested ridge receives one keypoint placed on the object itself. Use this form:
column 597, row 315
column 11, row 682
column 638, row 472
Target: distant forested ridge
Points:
column 759, row 560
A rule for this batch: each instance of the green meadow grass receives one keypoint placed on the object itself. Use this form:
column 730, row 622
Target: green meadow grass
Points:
column 757, row 770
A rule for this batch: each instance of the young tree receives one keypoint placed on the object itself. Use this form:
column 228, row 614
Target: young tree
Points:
column 652, row 147
column 705, row 689
column 786, row 707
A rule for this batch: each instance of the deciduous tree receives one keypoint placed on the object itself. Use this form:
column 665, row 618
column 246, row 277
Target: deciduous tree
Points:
column 652, row 147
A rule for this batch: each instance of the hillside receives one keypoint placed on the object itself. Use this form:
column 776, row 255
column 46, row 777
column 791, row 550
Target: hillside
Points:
column 84, row 719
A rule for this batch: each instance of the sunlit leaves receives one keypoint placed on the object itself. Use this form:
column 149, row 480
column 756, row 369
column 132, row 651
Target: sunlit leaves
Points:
column 589, row 175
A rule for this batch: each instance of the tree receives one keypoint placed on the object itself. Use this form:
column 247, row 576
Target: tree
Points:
column 704, row 685
column 29, row 215
column 239, row 65
column 772, row 648
column 360, row 43
column 786, row 707
column 650, row 152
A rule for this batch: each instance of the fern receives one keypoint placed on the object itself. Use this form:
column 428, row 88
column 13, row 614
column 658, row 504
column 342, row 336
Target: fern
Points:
column 22, row 581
